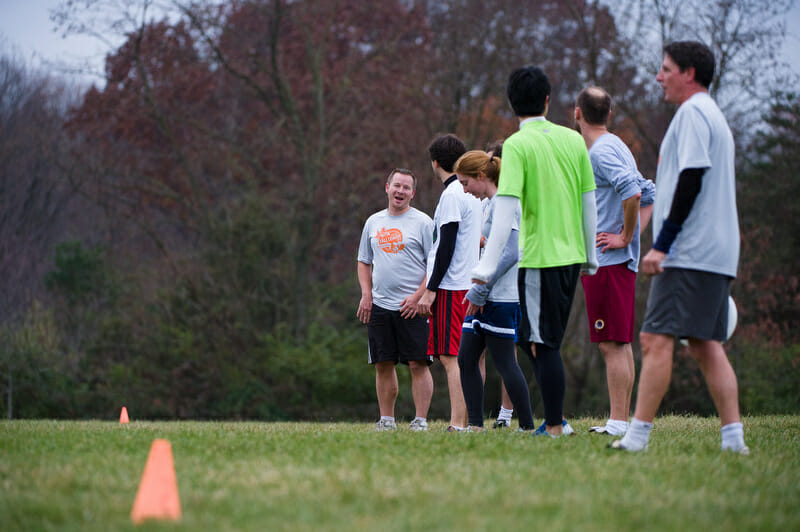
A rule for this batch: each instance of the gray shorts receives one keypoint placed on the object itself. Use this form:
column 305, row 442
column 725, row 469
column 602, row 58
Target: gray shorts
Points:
column 688, row 304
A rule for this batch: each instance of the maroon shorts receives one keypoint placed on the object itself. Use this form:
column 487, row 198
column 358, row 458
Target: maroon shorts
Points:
column 448, row 313
column 610, row 298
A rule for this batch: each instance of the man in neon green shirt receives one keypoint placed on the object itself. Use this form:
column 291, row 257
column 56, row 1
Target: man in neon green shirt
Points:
column 546, row 168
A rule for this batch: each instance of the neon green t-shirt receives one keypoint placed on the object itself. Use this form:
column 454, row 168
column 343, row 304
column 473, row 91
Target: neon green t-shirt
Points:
column 547, row 167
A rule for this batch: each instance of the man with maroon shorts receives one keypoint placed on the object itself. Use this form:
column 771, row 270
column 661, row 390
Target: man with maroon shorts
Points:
column 455, row 252
column 610, row 293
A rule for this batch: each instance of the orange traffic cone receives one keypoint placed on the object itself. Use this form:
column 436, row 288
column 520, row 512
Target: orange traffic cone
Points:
column 123, row 416
column 157, row 497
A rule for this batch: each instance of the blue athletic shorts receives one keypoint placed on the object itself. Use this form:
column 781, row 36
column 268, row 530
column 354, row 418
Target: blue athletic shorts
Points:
column 497, row 319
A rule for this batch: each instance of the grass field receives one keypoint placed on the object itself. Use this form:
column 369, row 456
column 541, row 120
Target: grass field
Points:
column 66, row 475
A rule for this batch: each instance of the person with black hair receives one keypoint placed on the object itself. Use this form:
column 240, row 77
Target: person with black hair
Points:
column 455, row 251
column 546, row 171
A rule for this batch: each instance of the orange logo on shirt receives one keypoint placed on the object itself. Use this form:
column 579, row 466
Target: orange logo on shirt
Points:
column 390, row 240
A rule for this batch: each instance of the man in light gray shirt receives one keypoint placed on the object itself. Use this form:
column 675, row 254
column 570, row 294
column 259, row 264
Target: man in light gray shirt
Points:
column 696, row 250
column 392, row 256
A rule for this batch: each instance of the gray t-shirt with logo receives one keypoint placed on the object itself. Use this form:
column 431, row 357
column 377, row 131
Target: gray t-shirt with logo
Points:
column 396, row 247
column 699, row 137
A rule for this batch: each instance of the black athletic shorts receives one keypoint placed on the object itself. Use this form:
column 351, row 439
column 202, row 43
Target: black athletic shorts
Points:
column 393, row 338
column 688, row 304
column 545, row 297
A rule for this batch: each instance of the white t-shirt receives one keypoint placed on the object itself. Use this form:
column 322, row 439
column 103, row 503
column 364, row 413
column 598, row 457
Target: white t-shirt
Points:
column 397, row 247
column 455, row 205
column 699, row 137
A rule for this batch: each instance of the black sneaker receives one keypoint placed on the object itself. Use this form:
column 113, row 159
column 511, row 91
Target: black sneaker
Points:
column 501, row 424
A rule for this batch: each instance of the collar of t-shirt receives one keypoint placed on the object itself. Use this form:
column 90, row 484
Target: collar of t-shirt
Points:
column 532, row 119
column 450, row 180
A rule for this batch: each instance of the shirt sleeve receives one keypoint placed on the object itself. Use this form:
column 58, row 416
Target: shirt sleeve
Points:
column 694, row 139
column 648, row 189
column 448, row 209
column 512, row 171
column 612, row 168
column 427, row 235
column 365, row 246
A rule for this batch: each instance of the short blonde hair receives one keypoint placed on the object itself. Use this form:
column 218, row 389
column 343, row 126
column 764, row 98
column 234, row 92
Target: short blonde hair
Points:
column 474, row 162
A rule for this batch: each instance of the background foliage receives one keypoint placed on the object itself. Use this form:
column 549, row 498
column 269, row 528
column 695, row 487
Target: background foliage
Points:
column 182, row 238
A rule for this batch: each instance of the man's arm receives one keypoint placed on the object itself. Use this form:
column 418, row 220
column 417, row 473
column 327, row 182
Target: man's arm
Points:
column 689, row 185
column 444, row 254
column 645, row 213
column 630, row 211
column 365, row 281
column 503, row 220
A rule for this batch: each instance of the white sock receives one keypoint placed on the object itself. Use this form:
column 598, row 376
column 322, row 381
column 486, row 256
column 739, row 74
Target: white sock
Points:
column 637, row 436
column 387, row 418
column 732, row 437
column 505, row 414
column 619, row 426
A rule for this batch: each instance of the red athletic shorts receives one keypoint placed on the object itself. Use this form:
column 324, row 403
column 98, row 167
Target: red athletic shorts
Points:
column 610, row 298
column 445, row 324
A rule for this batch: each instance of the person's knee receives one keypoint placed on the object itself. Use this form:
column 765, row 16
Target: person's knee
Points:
column 654, row 343
column 384, row 368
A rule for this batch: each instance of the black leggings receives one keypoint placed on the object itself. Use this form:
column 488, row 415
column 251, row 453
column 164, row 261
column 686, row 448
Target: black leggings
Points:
column 549, row 371
column 503, row 351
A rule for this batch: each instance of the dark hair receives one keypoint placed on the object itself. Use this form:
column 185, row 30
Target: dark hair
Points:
column 694, row 54
column 527, row 91
column 495, row 148
column 445, row 150
column 595, row 105
column 401, row 171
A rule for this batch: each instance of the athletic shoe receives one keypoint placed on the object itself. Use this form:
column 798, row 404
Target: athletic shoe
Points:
column 418, row 425
column 453, row 428
column 605, row 429
column 384, row 425
column 542, row 431
column 473, row 428
column 743, row 451
column 566, row 429
column 501, row 424
column 618, row 445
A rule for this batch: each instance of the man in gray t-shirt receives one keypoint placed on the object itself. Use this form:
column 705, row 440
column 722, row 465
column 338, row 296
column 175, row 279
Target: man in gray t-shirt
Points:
column 696, row 249
column 392, row 256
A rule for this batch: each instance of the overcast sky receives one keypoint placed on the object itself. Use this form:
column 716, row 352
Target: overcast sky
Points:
column 26, row 29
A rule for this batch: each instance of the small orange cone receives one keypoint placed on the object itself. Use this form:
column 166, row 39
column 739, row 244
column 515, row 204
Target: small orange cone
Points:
column 157, row 497
column 123, row 416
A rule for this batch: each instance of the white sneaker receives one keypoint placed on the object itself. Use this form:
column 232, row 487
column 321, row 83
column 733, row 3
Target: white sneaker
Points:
column 742, row 450
column 418, row 425
column 617, row 444
column 384, row 425
column 566, row 428
column 607, row 429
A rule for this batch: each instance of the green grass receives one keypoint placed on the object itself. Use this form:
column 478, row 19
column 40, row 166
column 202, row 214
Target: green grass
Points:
column 66, row 475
